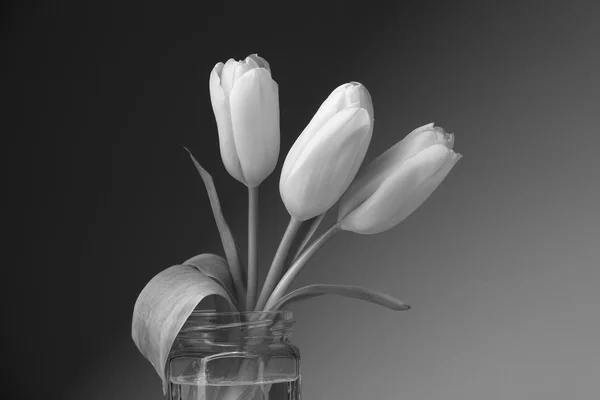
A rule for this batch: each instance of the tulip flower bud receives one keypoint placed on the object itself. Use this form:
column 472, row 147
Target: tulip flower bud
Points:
column 245, row 101
column 326, row 156
column 397, row 182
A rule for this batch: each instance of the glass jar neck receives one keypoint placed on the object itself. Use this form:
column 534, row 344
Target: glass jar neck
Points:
column 235, row 329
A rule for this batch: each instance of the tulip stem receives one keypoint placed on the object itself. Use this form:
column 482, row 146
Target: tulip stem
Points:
column 278, row 261
column 314, row 225
column 299, row 263
column 252, row 247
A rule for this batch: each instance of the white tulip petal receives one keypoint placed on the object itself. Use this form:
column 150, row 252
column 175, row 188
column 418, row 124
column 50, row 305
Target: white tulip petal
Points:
column 418, row 131
column 359, row 96
column 371, row 177
column 228, row 76
column 344, row 96
column 251, row 61
column 420, row 194
column 416, row 141
column 254, row 102
column 402, row 191
column 244, row 66
column 327, row 165
column 260, row 62
column 220, row 106
column 240, row 70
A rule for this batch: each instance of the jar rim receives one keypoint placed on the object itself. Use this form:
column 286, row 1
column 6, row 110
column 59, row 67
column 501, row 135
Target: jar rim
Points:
column 211, row 320
column 284, row 313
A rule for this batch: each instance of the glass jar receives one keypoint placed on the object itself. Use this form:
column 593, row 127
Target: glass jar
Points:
column 235, row 356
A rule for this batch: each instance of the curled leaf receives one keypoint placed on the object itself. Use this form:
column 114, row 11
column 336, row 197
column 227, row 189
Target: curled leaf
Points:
column 164, row 305
column 231, row 251
column 215, row 267
column 356, row 292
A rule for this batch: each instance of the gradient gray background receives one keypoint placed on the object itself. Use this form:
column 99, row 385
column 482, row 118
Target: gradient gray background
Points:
column 501, row 264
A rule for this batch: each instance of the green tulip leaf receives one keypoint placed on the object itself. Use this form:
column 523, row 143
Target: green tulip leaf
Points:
column 231, row 250
column 215, row 267
column 356, row 292
column 164, row 305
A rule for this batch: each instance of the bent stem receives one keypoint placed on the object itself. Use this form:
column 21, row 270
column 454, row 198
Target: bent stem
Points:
column 277, row 264
column 252, row 247
column 356, row 292
column 314, row 225
column 298, row 264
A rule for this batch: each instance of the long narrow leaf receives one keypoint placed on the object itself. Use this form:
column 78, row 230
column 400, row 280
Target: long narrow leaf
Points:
column 231, row 251
column 356, row 292
column 164, row 305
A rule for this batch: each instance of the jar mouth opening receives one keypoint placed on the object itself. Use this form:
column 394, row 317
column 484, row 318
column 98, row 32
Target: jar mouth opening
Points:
column 283, row 313
column 211, row 320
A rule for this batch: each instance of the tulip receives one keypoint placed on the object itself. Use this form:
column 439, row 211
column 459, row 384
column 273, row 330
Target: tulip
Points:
column 326, row 156
column 321, row 165
column 397, row 182
column 245, row 101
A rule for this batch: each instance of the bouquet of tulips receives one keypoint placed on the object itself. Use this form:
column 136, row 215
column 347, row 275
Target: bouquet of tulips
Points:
column 321, row 169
